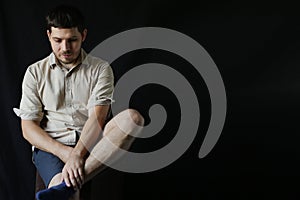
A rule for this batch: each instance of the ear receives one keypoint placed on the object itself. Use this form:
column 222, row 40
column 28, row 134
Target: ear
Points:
column 84, row 33
column 48, row 34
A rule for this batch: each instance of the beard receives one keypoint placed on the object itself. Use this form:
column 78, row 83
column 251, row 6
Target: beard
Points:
column 67, row 57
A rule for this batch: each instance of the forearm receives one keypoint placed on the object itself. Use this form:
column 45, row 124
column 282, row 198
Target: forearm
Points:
column 36, row 136
column 89, row 136
column 92, row 131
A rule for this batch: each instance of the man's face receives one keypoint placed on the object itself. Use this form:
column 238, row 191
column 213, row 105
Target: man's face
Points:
column 66, row 43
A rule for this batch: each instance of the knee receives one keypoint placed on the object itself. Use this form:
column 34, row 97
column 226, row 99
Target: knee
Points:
column 129, row 121
column 135, row 116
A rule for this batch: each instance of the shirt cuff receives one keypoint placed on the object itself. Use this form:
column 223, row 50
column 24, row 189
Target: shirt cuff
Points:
column 28, row 115
column 100, row 101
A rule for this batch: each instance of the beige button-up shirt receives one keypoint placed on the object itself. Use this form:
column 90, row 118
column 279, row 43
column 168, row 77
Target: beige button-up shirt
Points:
column 61, row 99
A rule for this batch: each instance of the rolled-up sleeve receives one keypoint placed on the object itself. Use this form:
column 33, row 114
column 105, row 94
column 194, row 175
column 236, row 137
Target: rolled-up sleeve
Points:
column 31, row 105
column 102, row 93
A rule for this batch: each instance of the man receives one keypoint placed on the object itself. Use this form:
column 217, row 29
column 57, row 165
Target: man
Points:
column 65, row 101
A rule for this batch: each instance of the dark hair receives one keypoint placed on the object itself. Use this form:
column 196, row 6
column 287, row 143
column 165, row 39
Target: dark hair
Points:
column 65, row 16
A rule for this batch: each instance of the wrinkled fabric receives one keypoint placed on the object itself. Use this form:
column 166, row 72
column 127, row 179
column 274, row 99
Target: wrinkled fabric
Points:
column 60, row 99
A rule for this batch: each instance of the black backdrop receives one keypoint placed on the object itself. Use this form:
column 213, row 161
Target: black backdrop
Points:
column 256, row 48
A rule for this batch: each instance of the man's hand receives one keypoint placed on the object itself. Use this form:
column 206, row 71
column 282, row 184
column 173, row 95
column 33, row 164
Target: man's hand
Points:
column 73, row 171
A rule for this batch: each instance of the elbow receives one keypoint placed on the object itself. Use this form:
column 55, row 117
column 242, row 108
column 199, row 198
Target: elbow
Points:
column 25, row 135
column 25, row 125
column 24, row 132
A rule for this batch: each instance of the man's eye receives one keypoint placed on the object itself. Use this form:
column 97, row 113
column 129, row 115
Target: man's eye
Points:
column 57, row 40
column 72, row 40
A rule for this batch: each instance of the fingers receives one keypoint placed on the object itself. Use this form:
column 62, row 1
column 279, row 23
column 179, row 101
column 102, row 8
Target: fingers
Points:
column 65, row 176
column 78, row 178
column 73, row 178
column 73, row 172
column 81, row 176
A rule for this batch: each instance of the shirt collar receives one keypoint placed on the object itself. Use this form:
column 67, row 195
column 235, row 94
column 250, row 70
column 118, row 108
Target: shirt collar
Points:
column 53, row 63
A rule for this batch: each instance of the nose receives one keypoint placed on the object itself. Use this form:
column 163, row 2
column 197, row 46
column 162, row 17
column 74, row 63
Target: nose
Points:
column 65, row 45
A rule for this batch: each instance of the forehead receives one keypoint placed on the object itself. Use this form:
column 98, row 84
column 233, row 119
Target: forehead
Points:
column 65, row 32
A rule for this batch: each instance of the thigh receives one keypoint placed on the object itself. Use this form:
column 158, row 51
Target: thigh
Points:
column 47, row 164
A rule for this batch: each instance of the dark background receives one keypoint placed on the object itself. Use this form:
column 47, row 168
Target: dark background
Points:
column 254, row 45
